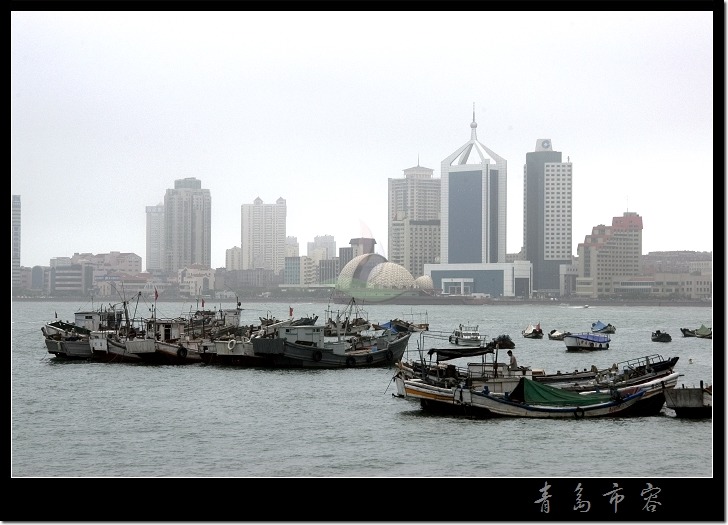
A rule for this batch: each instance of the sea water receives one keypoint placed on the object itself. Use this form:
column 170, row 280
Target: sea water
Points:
column 87, row 419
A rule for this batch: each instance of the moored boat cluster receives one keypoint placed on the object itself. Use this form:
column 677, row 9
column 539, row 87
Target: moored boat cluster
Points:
column 489, row 388
column 486, row 387
column 216, row 337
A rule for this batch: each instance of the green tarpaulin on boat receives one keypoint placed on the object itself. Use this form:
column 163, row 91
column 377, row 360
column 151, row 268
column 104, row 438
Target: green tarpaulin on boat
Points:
column 703, row 330
column 535, row 393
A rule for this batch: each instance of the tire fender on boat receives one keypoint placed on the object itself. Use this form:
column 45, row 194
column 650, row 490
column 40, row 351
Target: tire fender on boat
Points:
column 579, row 413
column 370, row 358
column 389, row 355
column 181, row 352
column 231, row 344
column 350, row 361
column 317, row 355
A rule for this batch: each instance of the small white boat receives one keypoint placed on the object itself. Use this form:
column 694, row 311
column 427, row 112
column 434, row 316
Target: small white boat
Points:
column 465, row 335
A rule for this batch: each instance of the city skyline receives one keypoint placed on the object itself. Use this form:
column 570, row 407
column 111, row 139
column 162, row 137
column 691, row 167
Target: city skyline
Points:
column 102, row 124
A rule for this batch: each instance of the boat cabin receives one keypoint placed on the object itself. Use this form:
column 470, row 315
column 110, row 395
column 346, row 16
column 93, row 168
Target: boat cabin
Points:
column 313, row 336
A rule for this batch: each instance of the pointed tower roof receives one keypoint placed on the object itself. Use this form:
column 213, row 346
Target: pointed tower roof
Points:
column 472, row 152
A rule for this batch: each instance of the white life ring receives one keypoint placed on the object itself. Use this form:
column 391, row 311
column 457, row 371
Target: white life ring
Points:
column 231, row 344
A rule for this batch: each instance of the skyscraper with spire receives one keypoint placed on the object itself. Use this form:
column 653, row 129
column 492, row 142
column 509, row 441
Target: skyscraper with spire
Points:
column 473, row 204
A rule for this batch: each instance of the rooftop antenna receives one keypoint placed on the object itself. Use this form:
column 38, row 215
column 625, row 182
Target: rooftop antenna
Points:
column 473, row 125
column 418, row 160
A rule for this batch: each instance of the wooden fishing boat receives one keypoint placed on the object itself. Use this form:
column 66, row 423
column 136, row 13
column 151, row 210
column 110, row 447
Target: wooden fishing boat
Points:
column 661, row 337
column 703, row 332
column 531, row 399
column 533, row 332
column 695, row 402
column 601, row 328
column 307, row 347
column 557, row 335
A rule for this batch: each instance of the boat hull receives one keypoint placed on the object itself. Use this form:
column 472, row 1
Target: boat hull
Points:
column 237, row 353
column 555, row 335
column 69, row 348
column 284, row 353
column 586, row 342
column 502, row 407
column 690, row 403
column 463, row 400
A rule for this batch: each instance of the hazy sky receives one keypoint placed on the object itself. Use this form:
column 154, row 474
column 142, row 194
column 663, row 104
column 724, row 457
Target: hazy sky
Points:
column 321, row 108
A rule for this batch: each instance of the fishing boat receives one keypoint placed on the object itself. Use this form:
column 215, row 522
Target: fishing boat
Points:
column 625, row 373
column 533, row 332
column 466, row 335
column 531, row 399
column 402, row 325
column 661, row 337
column 443, row 387
column 695, row 402
column 601, row 328
column 352, row 321
column 557, row 335
column 308, row 347
column 502, row 341
column 104, row 350
column 68, row 340
column 703, row 332
column 237, row 349
column 586, row 341
column 69, row 347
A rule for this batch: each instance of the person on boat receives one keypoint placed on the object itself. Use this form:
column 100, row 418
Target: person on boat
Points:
column 512, row 364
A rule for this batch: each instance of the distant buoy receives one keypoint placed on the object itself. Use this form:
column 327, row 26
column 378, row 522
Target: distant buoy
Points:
column 690, row 361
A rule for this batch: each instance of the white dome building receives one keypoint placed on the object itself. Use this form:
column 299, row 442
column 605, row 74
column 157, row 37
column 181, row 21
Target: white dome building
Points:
column 371, row 277
column 356, row 272
column 391, row 276
column 424, row 282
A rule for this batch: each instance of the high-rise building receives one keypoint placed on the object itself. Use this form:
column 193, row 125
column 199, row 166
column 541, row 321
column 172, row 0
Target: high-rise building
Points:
column 292, row 246
column 546, row 215
column 473, row 204
column 362, row 245
column 187, row 225
column 414, row 219
column 263, row 235
column 15, row 240
column 323, row 247
column 610, row 254
column 232, row 258
column 155, row 237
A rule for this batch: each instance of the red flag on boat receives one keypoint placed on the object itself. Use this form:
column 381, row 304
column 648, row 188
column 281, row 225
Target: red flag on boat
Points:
column 290, row 311
column 203, row 302
column 156, row 294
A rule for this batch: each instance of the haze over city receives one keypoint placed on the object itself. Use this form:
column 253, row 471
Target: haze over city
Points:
column 321, row 108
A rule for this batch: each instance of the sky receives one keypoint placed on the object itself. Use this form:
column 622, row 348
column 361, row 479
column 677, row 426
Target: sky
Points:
column 321, row 108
